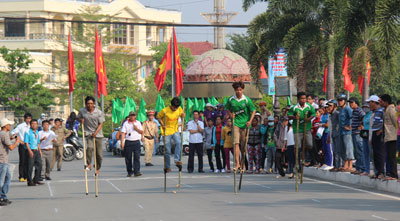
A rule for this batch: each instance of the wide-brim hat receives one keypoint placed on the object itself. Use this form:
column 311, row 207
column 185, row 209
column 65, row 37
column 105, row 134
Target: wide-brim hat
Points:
column 4, row 122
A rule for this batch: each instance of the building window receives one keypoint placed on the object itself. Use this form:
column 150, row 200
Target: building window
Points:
column 132, row 35
column 14, row 28
column 149, row 38
column 120, row 34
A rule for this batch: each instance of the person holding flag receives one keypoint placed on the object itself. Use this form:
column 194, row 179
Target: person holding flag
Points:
column 168, row 119
column 241, row 109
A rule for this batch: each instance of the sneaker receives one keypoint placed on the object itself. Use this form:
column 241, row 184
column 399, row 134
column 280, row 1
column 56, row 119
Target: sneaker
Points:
column 5, row 201
column 149, row 164
column 39, row 183
column 327, row 168
column 22, row 180
column 211, row 171
column 223, row 171
column 216, row 171
column 31, row 184
column 323, row 167
column 47, row 178
column 138, row 174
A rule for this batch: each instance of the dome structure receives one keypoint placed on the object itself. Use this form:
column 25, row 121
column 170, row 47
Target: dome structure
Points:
column 218, row 65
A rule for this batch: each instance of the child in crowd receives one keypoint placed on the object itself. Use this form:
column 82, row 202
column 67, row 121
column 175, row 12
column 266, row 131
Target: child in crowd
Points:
column 270, row 147
column 227, row 142
column 210, row 146
column 253, row 145
column 290, row 152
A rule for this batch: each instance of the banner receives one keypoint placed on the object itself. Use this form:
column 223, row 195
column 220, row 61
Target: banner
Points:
column 276, row 68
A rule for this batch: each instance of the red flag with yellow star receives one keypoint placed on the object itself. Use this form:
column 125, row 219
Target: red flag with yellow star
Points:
column 165, row 65
column 100, row 68
column 178, row 67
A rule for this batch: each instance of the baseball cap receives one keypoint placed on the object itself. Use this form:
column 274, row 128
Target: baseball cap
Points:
column 5, row 122
column 132, row 113
column 373, row 98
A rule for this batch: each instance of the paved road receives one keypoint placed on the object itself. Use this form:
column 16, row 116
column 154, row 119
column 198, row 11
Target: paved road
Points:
column 202, row 197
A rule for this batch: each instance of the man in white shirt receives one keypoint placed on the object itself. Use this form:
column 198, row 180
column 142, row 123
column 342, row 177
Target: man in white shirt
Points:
column 47, row 137
column 20, row 131
column 195, row 127
column 130, row 143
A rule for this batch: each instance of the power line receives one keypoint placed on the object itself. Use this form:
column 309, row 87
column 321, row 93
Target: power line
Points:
column 41, row 20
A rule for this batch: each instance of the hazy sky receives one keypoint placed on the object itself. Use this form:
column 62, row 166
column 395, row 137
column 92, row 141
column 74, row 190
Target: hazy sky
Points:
column 191, row 10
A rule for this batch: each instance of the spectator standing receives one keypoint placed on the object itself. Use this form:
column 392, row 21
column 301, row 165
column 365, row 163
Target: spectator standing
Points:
column 20, row 131
column 356, row 123
column 376, row 136
column 227, row 143
column 345, row 116
column 195, row 127
column 209, row 143
column 219, row 145
column 47, row 138
column 62, row 133
column 254, row 146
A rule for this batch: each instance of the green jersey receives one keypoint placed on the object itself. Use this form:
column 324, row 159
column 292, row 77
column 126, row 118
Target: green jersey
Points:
column 309, row 109
column 270, row 137
column 242, row 108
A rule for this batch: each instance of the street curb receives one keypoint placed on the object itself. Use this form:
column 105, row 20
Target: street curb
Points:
column 389, row 186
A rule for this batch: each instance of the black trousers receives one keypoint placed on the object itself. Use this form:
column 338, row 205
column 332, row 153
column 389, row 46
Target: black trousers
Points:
column 262, row 158
column 391, row 156
column 35, row 161
column 23, row 164
column 379, row 153
column 210, row 160
column 132, row 147
column 195, row 147
column 218, row 150
column 279, row 157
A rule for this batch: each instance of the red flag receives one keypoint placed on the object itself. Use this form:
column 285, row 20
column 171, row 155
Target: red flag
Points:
column 100, row 68
column 164, row 66
column 71, row 66
column 360, row 80
column 325, row 78
column 178, row 67
column 346, row 71
column 263, row 73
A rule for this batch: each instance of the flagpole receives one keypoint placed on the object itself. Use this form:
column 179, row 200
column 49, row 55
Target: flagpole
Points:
column 71, row 109
column 173, row 85
column 102, row 103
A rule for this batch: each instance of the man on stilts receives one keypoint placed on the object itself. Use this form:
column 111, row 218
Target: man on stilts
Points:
column 302, row 113
column 242, row 110
column 168, row 118
column 93, row 119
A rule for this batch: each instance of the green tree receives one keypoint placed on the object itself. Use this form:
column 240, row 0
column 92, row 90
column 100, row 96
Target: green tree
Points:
column 151, row 91
column 20, row 89
column 240, row 44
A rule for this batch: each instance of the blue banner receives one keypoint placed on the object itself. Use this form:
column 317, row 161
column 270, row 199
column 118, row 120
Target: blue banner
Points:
column 276, row 68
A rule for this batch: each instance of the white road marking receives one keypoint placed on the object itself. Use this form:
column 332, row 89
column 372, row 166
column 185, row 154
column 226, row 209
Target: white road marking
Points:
column 353, row 188
column 258, row 184
column 140, row 206
column 317, row 201
column 55, row 210
column 270, row 218
column 115, row 187
column 50, row 190
column 378, row 217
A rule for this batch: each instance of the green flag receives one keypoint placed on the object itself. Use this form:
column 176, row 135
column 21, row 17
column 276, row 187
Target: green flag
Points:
column 189, row 105
column 114, row 117
column 141, row 115
column 182, row 101
column 202, row 104
column 119, row 110
column 213, row 101
column 130, row 105
column 196, row 105
column 160, row 103
column 225, row 100
column 289, row 102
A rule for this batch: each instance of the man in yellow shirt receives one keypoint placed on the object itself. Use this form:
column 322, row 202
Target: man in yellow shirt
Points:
column 168, row 118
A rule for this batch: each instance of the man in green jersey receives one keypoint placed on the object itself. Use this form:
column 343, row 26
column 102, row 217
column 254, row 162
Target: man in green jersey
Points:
column 241, row 108
column 297, row 113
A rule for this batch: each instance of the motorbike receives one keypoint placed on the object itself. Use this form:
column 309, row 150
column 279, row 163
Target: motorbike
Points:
column 185, row 151
column 114, row 144
column 73, row 148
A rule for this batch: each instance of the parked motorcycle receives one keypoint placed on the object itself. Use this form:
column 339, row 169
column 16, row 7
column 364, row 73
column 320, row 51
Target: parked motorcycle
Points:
column 73, row 148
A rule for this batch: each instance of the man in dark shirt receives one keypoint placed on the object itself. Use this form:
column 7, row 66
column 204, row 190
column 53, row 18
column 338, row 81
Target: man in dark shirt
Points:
column 356, row 122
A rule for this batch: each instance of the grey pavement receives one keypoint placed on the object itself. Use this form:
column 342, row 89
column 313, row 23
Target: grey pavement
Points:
column 205, row 196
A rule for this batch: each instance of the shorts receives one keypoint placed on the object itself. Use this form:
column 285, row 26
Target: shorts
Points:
column 239, row 135
column 309, row 139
